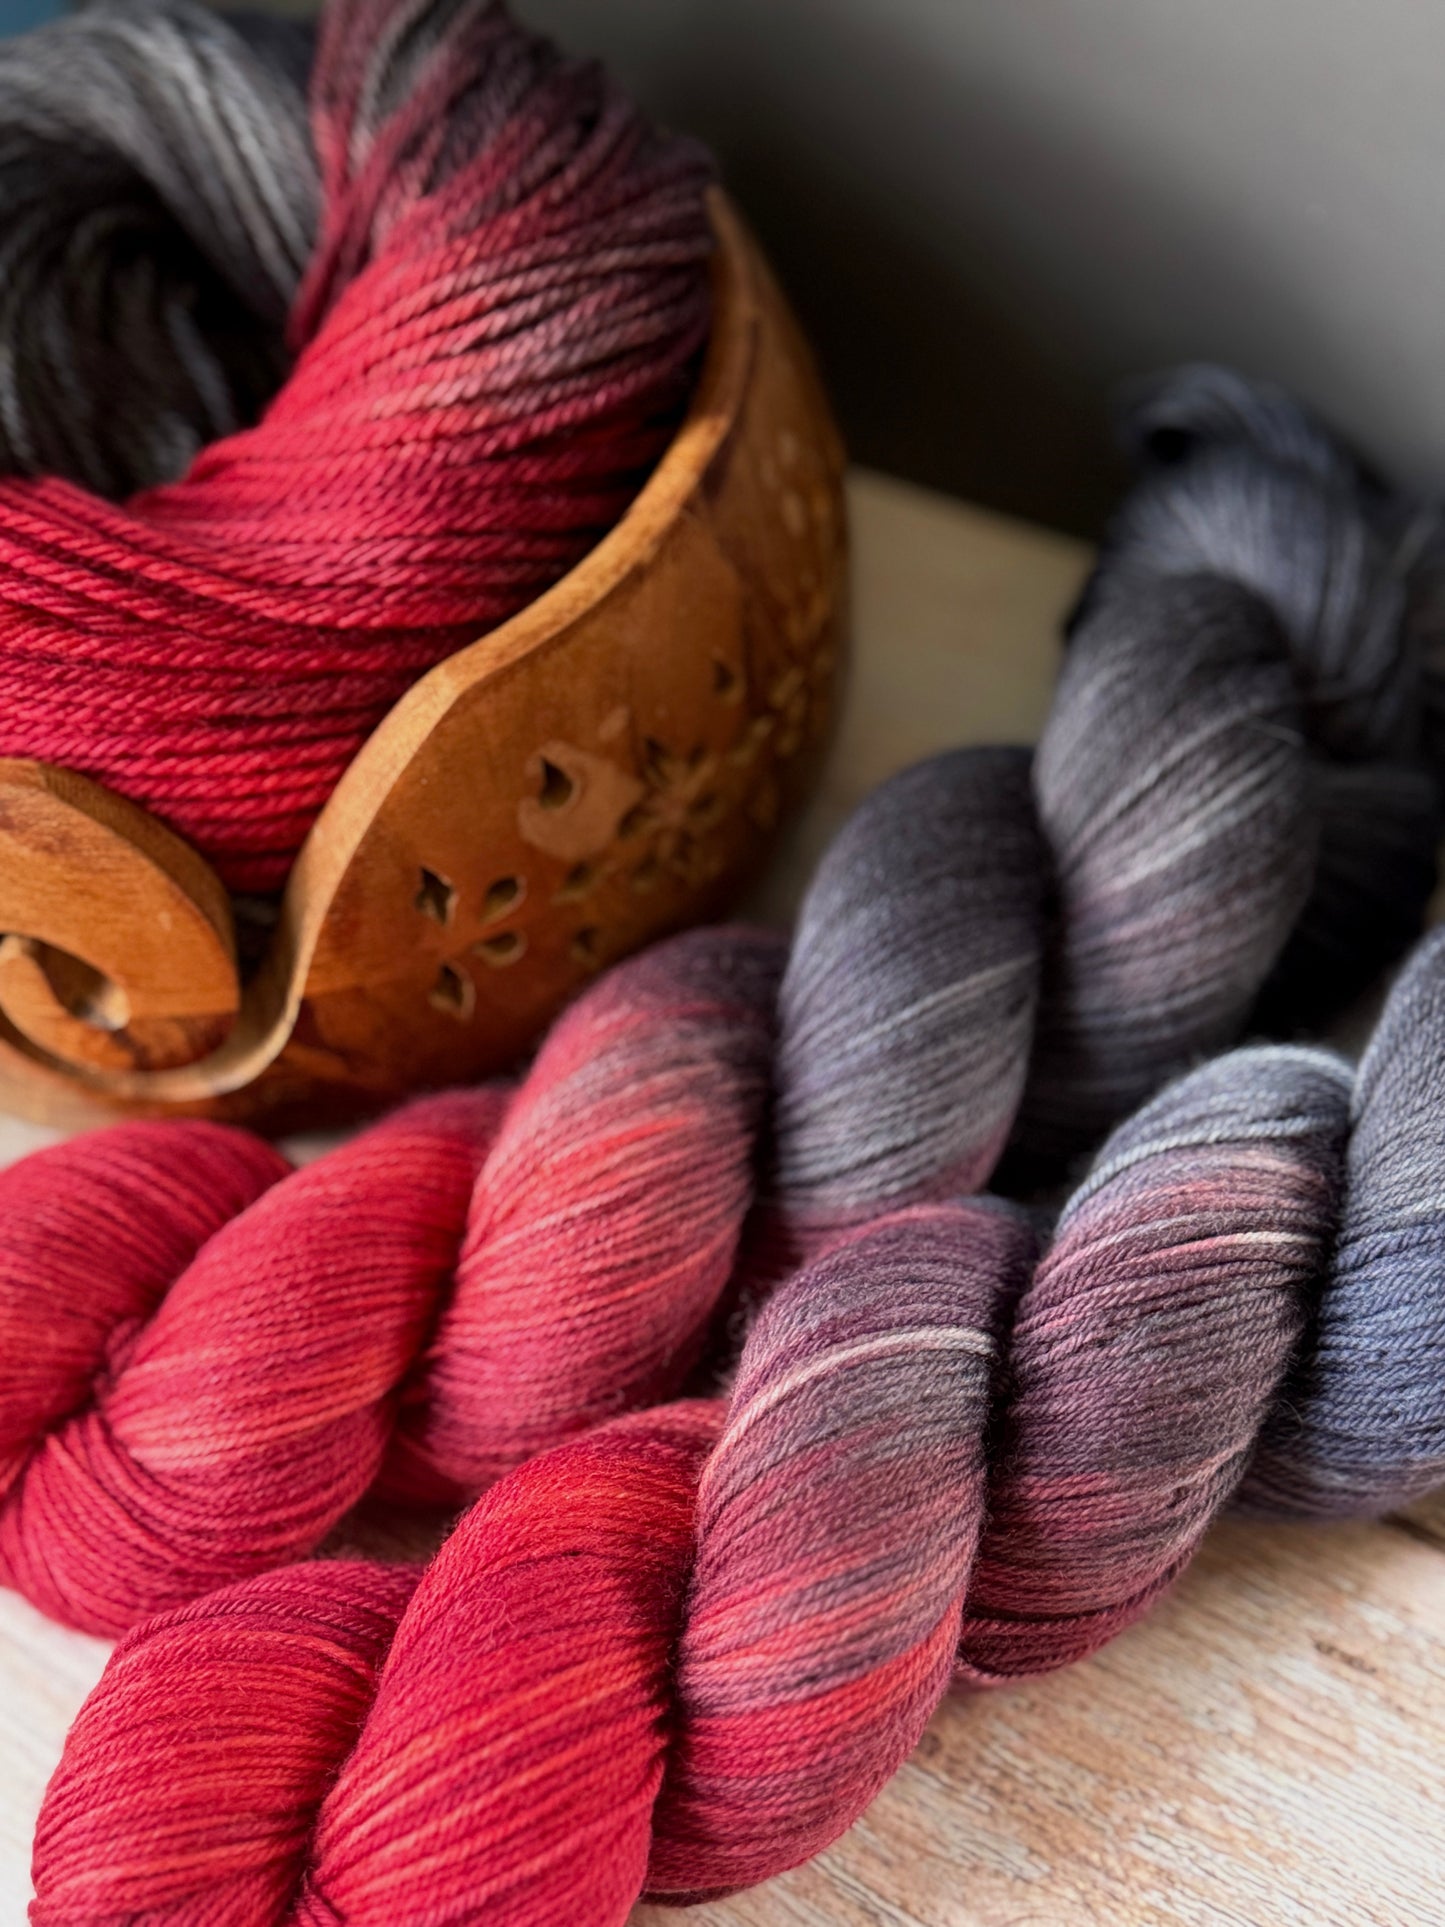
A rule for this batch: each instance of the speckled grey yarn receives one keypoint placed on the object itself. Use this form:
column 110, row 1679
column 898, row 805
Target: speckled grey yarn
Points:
column 1241, row 487
column 1245, row 1297
column 1309, row 553
column 1230, row 787
column 158, row 201
column 1149, row 1348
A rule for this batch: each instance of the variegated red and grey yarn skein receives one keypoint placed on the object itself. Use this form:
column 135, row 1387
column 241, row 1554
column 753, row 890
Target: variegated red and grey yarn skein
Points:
column 460, row 280
column 488, row 1273
column 681, row 1653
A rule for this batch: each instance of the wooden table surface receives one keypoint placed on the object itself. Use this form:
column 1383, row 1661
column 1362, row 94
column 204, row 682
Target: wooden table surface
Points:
column 1266, row 1749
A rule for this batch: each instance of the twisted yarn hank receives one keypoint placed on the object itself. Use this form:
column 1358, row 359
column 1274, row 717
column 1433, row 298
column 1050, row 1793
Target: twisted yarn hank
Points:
column 491, row 1272
column 446, row 1294
column 492, row 275
column 682, row 1653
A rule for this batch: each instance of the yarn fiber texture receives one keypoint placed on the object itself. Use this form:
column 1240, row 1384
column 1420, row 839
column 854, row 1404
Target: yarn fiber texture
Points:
column 458, row 278
column 681, row 1653
column 205, row 1363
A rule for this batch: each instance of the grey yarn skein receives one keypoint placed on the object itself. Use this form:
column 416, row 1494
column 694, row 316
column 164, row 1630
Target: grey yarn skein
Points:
column 158, row 202
column 1230, row 796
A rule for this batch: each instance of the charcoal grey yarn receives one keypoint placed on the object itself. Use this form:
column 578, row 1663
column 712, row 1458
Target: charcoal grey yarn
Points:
column 1228, row 826
column 158, row 202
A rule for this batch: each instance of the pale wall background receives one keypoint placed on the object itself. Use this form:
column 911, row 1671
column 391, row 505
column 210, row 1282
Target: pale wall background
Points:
column 990, row 209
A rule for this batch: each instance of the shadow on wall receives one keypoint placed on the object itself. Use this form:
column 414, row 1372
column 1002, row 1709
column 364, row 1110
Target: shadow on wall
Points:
column 933, row 378
column 931, row 381
column 989, row 212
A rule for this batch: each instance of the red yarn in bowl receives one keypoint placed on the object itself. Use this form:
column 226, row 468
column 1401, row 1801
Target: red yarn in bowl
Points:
column 494, row 338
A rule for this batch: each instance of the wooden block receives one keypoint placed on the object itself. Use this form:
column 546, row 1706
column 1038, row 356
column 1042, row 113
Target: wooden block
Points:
column 1263, row 1750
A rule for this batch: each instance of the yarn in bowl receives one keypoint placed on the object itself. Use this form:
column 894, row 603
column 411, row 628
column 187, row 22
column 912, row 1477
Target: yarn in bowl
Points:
column 535, row 381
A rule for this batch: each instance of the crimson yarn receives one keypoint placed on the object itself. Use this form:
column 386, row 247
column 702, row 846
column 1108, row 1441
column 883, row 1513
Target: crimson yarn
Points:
column 191, row 1390
column 681, row 1653
column 490, row 278
column 488, row 1273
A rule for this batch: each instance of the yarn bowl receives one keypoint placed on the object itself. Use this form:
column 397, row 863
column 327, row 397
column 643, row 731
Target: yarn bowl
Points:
column 608, row 765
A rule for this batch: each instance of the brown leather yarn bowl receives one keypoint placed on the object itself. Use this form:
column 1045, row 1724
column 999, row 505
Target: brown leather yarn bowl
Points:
column 609, row 765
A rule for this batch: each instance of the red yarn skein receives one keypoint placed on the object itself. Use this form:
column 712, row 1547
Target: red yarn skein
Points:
column 495, row 336
column 475, row 1278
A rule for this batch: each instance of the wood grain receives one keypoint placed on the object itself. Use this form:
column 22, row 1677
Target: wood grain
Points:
column 1265, row 1750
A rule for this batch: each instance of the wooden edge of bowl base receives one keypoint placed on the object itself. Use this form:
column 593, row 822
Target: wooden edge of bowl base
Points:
column 609, row 765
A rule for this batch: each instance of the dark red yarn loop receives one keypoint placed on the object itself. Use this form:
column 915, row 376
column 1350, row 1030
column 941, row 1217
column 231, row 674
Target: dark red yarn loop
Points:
column 494, row 339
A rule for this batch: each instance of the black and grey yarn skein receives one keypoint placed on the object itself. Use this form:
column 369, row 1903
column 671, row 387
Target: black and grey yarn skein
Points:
column 1229, row 825
column 158, row 202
